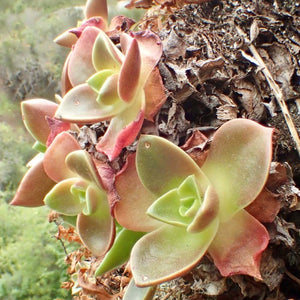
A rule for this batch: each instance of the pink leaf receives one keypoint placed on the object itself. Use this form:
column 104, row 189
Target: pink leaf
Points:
column 127, row 180
column 55, row 156
column 56, row 127
column 150, row 48
column 130, row 73
column 265, row 207
column 66, row 84
column 107, row 178
column 97, row 22
column 80, row 66
column 33, row 187
column 94, row 8
column 238, row 245
column 122, row 131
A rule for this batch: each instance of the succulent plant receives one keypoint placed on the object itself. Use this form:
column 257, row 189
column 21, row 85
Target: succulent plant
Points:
column 65, row 177
column 80, row 192
column 191, row 210
column 163, row 211
column 121, row 87
column 111, row 85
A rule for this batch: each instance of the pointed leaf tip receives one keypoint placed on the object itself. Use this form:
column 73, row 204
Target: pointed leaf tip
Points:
column 33, row 187
column 94, row 8
column 34, row 113
column 130, row 73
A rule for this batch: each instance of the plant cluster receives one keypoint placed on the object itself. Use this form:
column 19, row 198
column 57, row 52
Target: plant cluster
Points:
column 163, row 211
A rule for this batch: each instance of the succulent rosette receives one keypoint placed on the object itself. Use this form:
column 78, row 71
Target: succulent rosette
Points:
column 65, row 177
column 111, row 85
column 189, row 211
column 80, row 192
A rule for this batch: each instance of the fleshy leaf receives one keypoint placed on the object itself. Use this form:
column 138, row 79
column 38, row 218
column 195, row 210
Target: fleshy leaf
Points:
column 94, row 8
column 126, row 181
column 80, row 106
column 105, row 54
column 119, row 253
column 34, row 114
column 123, row 129
column 96, row 229
column 66, row 84
column 265, row 207
column 138, row 293
column 108, row 96
column 33, row 187
column 208, row 211
column 178, row 206
column 37, row 146
column 130, row 73
column 56, row 127
column 158, row 158
column 96, row 80
column 97, row 22
column 168, row 252
column 81, row 163
column 238, row 245
column 80, row 66
column 55, row 156
column 238, row 164
column 66, row 39
column 67, row 197
column 150, row 47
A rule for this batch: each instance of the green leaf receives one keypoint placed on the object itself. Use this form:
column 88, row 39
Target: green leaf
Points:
column 108, row 94
column 39, row 147
column 179, row 206
column 238, row 164
column 138, row 293
column 207, row 212
column 63, row 198
column 169, row 252
column 119, row 252
column 95, row 226
column 80, row 106
column 167, row 209
column 158, row 158
column 105, row 54
column 81, row 163
column 96, row 80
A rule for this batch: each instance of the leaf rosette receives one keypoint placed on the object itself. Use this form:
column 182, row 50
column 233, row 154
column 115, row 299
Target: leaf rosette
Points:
column 189, row 211
column 113, row 85
column 79, row 192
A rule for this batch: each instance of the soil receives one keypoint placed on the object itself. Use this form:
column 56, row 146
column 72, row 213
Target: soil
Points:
column 211, row 76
